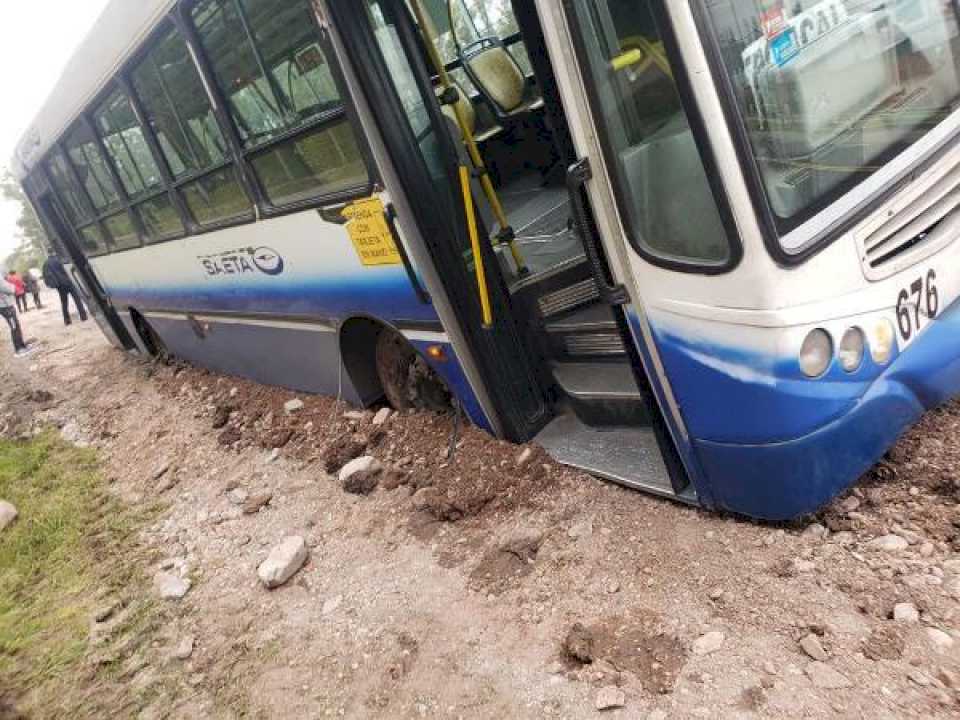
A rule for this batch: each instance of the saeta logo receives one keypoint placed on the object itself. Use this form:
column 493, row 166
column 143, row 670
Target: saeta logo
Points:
column 267, row 260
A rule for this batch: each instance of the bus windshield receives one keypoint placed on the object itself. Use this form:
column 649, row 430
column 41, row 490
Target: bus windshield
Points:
column 830, row 91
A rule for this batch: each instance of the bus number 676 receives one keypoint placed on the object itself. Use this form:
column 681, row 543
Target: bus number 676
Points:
column 923, row 299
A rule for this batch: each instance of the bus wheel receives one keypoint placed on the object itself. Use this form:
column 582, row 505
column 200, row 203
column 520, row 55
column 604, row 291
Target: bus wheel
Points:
column 408, row 381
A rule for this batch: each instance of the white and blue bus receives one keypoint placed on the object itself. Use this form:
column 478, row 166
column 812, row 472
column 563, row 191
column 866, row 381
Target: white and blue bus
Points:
column 704, row 248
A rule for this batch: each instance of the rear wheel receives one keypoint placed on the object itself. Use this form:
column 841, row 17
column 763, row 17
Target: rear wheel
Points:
column 408, row 381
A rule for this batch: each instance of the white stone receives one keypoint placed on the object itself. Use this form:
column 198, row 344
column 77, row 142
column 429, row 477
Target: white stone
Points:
column 582, row 529
column 238, row 496
column 283, row 562
column 184, row 648
column 8, row 513
column 906, row 613
column 812, row 647
column 888, row 543
column 815, row 530
column 367, row 463
column 170, row 586
column 804, row 566
column 850, row 504
column 293, row 406
column 382, row 416
column 939, row 638
column 825, row 677
column 525, row 457
column 610, row 698
column 708, row 643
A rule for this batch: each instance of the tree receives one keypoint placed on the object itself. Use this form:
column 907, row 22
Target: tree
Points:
column 33, row 239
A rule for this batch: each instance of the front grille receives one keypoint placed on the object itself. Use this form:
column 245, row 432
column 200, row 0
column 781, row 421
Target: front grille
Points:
column 918, row 222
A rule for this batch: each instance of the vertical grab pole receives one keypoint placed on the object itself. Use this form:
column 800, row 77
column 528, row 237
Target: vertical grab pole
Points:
column 475, row 246
column 506, row 232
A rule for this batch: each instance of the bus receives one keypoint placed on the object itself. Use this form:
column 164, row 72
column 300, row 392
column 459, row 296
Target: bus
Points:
column 702, row 248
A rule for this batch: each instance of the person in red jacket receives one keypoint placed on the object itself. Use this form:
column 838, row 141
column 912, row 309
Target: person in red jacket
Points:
column 19, row 289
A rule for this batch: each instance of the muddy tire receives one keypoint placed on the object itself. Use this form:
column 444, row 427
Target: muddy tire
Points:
column 408, row 382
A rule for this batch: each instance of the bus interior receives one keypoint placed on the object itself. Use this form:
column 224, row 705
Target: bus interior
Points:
column 495, row 56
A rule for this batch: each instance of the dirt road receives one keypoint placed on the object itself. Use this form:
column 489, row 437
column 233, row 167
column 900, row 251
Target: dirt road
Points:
column 493, row 584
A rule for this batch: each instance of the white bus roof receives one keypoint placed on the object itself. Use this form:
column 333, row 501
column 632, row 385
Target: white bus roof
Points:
column 117, row 34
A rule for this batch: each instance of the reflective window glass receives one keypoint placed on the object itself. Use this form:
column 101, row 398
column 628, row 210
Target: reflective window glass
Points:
column 67, row 190
column 92, row 242
column 123, row 234
column 323, row 162
column 91, row 168
column 217, row 198
column 175, row 102
column 267, row 60
column 160, row 219
column 122, row 136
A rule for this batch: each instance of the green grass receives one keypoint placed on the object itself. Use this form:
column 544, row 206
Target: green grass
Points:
column 72, row 546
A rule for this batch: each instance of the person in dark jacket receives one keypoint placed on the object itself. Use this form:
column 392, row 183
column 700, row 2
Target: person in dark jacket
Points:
column 56, row 278
column 33, row 287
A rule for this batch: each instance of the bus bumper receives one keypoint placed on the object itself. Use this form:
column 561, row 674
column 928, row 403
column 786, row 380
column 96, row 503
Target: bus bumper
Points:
column 782, row 480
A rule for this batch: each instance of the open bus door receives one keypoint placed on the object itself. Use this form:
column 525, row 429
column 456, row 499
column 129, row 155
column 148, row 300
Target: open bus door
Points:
column 546, row 316
column 84, row 278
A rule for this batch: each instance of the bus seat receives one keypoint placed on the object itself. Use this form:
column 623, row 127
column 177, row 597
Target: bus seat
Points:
column 481, row 135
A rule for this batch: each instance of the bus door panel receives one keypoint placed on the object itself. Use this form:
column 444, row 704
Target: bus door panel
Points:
column 640, row 169
column 394, row 78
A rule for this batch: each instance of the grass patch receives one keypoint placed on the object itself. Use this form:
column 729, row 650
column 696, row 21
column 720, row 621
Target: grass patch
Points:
column 72, row 546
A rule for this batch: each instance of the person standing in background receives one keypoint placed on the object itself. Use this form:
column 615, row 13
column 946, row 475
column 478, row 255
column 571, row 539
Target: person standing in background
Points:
column 33, row 287
column 7, row 311
column 56, row 278
column 19, row 289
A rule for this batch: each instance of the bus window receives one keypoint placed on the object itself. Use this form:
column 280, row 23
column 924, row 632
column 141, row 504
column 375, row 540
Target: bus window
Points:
column 176, row 105
column 175, row 102
column 123, row 234
column 267, row 59
column 216, row 198
column 91, row 168
column 669, row 206
column 66, row 189
column 92, row 242
column 123, row 138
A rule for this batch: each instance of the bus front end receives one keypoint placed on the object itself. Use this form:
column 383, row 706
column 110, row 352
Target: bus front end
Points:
column 843, row 115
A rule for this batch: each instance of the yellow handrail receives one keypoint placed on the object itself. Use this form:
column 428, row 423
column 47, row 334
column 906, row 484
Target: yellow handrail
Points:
column 429, row 36
column 478, row 267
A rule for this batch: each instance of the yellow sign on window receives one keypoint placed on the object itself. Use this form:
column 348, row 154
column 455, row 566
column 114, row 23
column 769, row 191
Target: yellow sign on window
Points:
column 370, row 233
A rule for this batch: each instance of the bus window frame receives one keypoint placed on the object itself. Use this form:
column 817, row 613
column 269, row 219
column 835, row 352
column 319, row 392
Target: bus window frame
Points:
column 823, row 238
column 244, row 156
column 701, row 135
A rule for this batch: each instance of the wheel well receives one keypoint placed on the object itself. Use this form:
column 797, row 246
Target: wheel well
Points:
column 146, row 333
column 358, row 351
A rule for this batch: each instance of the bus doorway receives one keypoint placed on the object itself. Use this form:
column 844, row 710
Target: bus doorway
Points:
column 94, row 296
column 489, row 131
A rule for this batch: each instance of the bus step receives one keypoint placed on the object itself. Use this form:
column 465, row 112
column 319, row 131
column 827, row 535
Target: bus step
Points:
column 602, row 393
column 628, row 456
column 588, row 331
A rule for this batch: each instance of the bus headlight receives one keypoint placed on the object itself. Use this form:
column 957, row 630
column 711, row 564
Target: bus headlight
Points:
column 816, row 353
column 883, row 342
column 851, row 350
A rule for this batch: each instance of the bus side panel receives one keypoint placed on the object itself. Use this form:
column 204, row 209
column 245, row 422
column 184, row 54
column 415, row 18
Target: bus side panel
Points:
column 266, row 300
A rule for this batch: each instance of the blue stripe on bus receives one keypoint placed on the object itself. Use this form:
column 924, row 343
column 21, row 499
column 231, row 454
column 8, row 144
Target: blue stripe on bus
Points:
column 383, row 295
column 780, row 480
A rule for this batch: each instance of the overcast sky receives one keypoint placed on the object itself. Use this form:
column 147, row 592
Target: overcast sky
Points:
column 37, row 38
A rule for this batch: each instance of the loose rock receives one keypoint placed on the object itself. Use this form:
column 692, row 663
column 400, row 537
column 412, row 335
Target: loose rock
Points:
column 361, row 476
column 283, row 562
column 812, row 647
column 939, row 639
column 610, row 698
column 8, row 513
column 906, row 613
column 708, row 643
column 293, row 406
column 170, row 586
column 254, row 503
column 888, row 543
column 382, row 416
column 184, row 648
column 825, row 677
column 238, row 496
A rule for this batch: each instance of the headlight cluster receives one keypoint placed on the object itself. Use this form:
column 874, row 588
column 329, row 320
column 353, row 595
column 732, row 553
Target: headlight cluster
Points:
column 817, row 351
